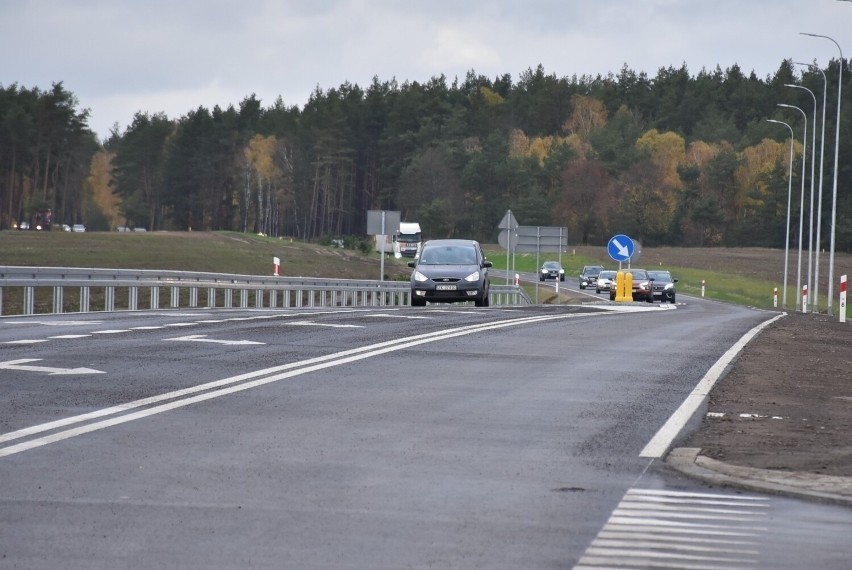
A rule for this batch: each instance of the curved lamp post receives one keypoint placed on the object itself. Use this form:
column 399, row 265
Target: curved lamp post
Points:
column 815, row 304
column 801, row 205
column 811, row 223
column 834, row 189
column 789, row 193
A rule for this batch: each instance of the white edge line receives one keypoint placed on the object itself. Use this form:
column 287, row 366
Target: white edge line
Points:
column 662, row 440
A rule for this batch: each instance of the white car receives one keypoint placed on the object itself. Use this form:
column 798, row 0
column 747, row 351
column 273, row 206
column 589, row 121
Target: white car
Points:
column 78, row 228
column 605, row 281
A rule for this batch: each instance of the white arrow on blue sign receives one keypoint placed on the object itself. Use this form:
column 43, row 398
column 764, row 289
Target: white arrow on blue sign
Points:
column 620, row 247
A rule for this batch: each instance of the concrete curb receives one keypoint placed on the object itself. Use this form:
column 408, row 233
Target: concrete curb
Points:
column 688, row 460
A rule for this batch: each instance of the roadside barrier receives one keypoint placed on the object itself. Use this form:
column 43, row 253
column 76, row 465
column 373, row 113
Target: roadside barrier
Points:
column 55, row 290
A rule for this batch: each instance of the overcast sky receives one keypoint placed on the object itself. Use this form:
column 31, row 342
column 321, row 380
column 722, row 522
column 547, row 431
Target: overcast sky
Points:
column 123, row 56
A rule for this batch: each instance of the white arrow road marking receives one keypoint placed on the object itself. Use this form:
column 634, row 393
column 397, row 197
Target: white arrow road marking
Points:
column 19, row 365
column 26, row 341
column 313, row 324
column 202, row 338
column 622, row 249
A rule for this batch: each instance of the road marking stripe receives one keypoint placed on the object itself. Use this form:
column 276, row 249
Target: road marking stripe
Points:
column 26, row 341
column 63, row 336
column 227, row 386
column 662, row 440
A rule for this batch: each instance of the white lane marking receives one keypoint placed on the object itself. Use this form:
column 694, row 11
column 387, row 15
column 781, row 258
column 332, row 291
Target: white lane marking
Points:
column 25, row 341
column 170, row 325
column 111, row 331
column 21, row 364
column 387, row 316
column 313, row 324
column 148, row 328
column 202, row 338
column 663, row 439
column 64, row 336
column 231, row 385
column 53, row 323
column 674, row 535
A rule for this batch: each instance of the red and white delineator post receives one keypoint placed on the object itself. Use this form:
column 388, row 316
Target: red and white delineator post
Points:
column 276, row 262
column 804, row 298
column 517, row 280
column 842, row 298
column 775, row 297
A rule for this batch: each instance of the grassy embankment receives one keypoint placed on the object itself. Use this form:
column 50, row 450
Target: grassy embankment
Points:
column 742, row 275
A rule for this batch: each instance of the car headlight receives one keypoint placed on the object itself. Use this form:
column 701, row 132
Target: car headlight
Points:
column 472, row 277
column 644, row 285
column 544, row 270
column 669, row 286
column 419, row 277
column 561, row 272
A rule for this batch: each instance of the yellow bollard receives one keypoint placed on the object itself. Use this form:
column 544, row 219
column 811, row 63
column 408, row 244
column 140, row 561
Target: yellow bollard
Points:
column 623, row 287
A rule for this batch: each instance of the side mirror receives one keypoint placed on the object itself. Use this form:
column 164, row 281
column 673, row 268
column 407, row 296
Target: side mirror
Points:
column 674, row 280
column 412, row 264
column 487, row 263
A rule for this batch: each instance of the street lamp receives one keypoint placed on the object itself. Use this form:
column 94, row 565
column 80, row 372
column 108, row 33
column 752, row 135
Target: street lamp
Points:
column 811, row 223
column 834, row 189
column 815, row 304
column 802, row 202
column 789, row 193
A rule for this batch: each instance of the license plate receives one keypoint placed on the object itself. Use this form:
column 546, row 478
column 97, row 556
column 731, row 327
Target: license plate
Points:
column 445, row 287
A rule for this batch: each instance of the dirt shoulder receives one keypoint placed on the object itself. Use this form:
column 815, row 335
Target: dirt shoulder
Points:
column 786, row 402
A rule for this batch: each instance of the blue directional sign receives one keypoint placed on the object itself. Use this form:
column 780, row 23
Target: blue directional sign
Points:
column 620, row 247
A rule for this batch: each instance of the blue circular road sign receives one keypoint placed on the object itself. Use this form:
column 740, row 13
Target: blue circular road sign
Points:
column 620, row 247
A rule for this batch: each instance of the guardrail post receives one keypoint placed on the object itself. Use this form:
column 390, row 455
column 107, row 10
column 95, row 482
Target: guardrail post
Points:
column 243, row 298
column 133, row 298
column 175, row 298
column 273, row 298
column 1, row 300
column 258, row 298
column 229, row 298
column 84, row 299
column 29, row 300
column 287, row 298
column 211, row 297
column 109, row 299
column 155, row 297
column 193, row 297
column 57, row 299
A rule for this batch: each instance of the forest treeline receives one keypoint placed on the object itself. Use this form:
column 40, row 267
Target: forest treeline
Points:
column 674, row 159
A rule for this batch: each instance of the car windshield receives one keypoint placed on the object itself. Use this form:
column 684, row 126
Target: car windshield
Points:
column 638, row 274
column 606, row 275
column 551, row 265
column 592, row 271
column 448, row 255
column 660, row 275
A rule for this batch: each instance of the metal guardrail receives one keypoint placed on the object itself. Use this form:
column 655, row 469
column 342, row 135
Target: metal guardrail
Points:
column 55, row 290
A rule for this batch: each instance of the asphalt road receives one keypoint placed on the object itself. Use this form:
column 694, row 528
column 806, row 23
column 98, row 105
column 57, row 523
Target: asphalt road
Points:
column 444, row 437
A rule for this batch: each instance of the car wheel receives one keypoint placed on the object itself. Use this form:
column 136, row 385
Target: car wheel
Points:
column 541, row 279
column 417, row 302
column 672, row 299
column 562, row 278
column 582, row 286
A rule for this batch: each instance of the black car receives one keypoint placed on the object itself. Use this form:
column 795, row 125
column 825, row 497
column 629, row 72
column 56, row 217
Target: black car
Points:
column 664, row 285
column 450, row 271
column 551, row 270
column 589, row 275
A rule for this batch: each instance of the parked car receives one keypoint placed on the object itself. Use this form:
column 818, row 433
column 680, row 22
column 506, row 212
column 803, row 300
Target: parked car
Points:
column 551, row 270
column 664, row 285
column 78, row 228
column 641, row 286
column 605, row 280
column 449, row 271
column 589, row 275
